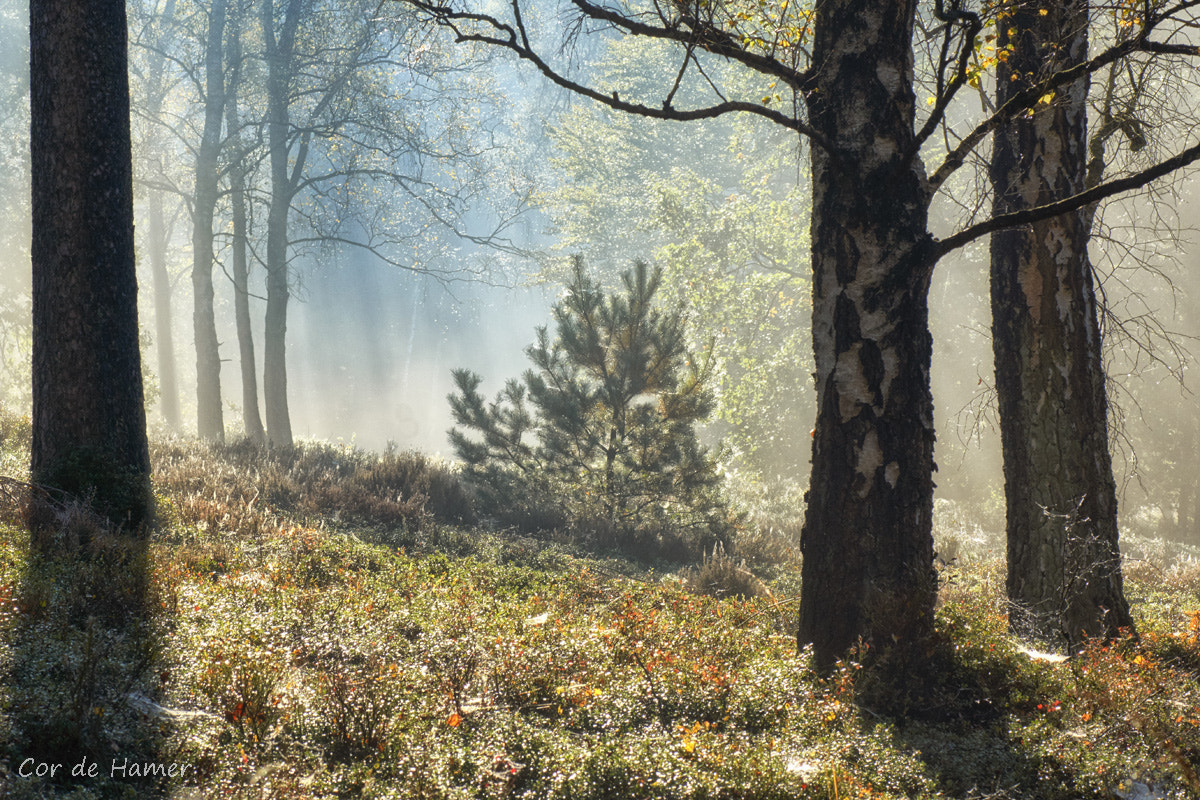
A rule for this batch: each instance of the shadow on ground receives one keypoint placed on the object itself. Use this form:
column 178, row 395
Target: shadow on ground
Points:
column 957, row 713
column 78, row 715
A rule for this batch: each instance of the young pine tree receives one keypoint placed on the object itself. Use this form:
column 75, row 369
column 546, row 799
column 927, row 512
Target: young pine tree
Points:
column 604, row 425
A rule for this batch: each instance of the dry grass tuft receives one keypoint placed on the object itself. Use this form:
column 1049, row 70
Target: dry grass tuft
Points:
column 245, row 489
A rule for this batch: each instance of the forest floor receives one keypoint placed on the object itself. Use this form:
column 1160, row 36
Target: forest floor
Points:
column 311, row 625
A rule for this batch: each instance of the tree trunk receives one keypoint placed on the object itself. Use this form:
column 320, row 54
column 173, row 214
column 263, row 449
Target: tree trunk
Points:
column 1194, row 523
column 1064, row 569
column 89, row 419
column 279, row 425
column 251, row 421
column 164, row 341
column 279, row 52
column 158, row 238
column 867, row 543
column 208, row 358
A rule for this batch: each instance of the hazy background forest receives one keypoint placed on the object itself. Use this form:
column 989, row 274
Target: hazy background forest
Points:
column 451, row 187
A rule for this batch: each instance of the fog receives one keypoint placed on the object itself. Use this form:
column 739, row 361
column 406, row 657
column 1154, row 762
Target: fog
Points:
column 371, row 351
column 372, row 337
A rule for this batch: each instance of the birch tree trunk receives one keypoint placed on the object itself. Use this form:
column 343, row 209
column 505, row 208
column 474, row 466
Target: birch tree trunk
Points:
column 867, row 542
column 164, row 335
column 1064, row 570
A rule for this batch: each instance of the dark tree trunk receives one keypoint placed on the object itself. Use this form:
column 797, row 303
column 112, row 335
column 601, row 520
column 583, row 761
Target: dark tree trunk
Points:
column 251, row 420
column 867, row 543
column 89, row 418
column 1064, row 570
column 210, row 418
column 279, row 58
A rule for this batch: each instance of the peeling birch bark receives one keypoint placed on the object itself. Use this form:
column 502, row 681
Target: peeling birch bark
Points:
column 868, row 550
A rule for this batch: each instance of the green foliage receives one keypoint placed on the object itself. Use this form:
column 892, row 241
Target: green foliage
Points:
column 732, row 240
column 16, row 435
column 605, row 423
column 738, row 257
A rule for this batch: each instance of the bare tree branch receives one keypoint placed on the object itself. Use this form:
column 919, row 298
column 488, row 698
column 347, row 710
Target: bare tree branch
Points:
column 515, row 39
column 1067, row 204
column 1029, row 98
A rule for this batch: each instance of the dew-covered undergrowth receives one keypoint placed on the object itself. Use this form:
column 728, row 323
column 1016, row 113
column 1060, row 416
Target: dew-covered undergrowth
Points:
column 276, row 651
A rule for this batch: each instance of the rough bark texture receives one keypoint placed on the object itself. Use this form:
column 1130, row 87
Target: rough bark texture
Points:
column 89, row 422
column 251, row 420
column 210, row 418
column 279, row 57
column 1064, row 571
column 867, row 543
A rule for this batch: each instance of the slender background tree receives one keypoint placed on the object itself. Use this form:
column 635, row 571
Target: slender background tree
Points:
column 210, row 414
column 157, row 32
column 15, row 337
